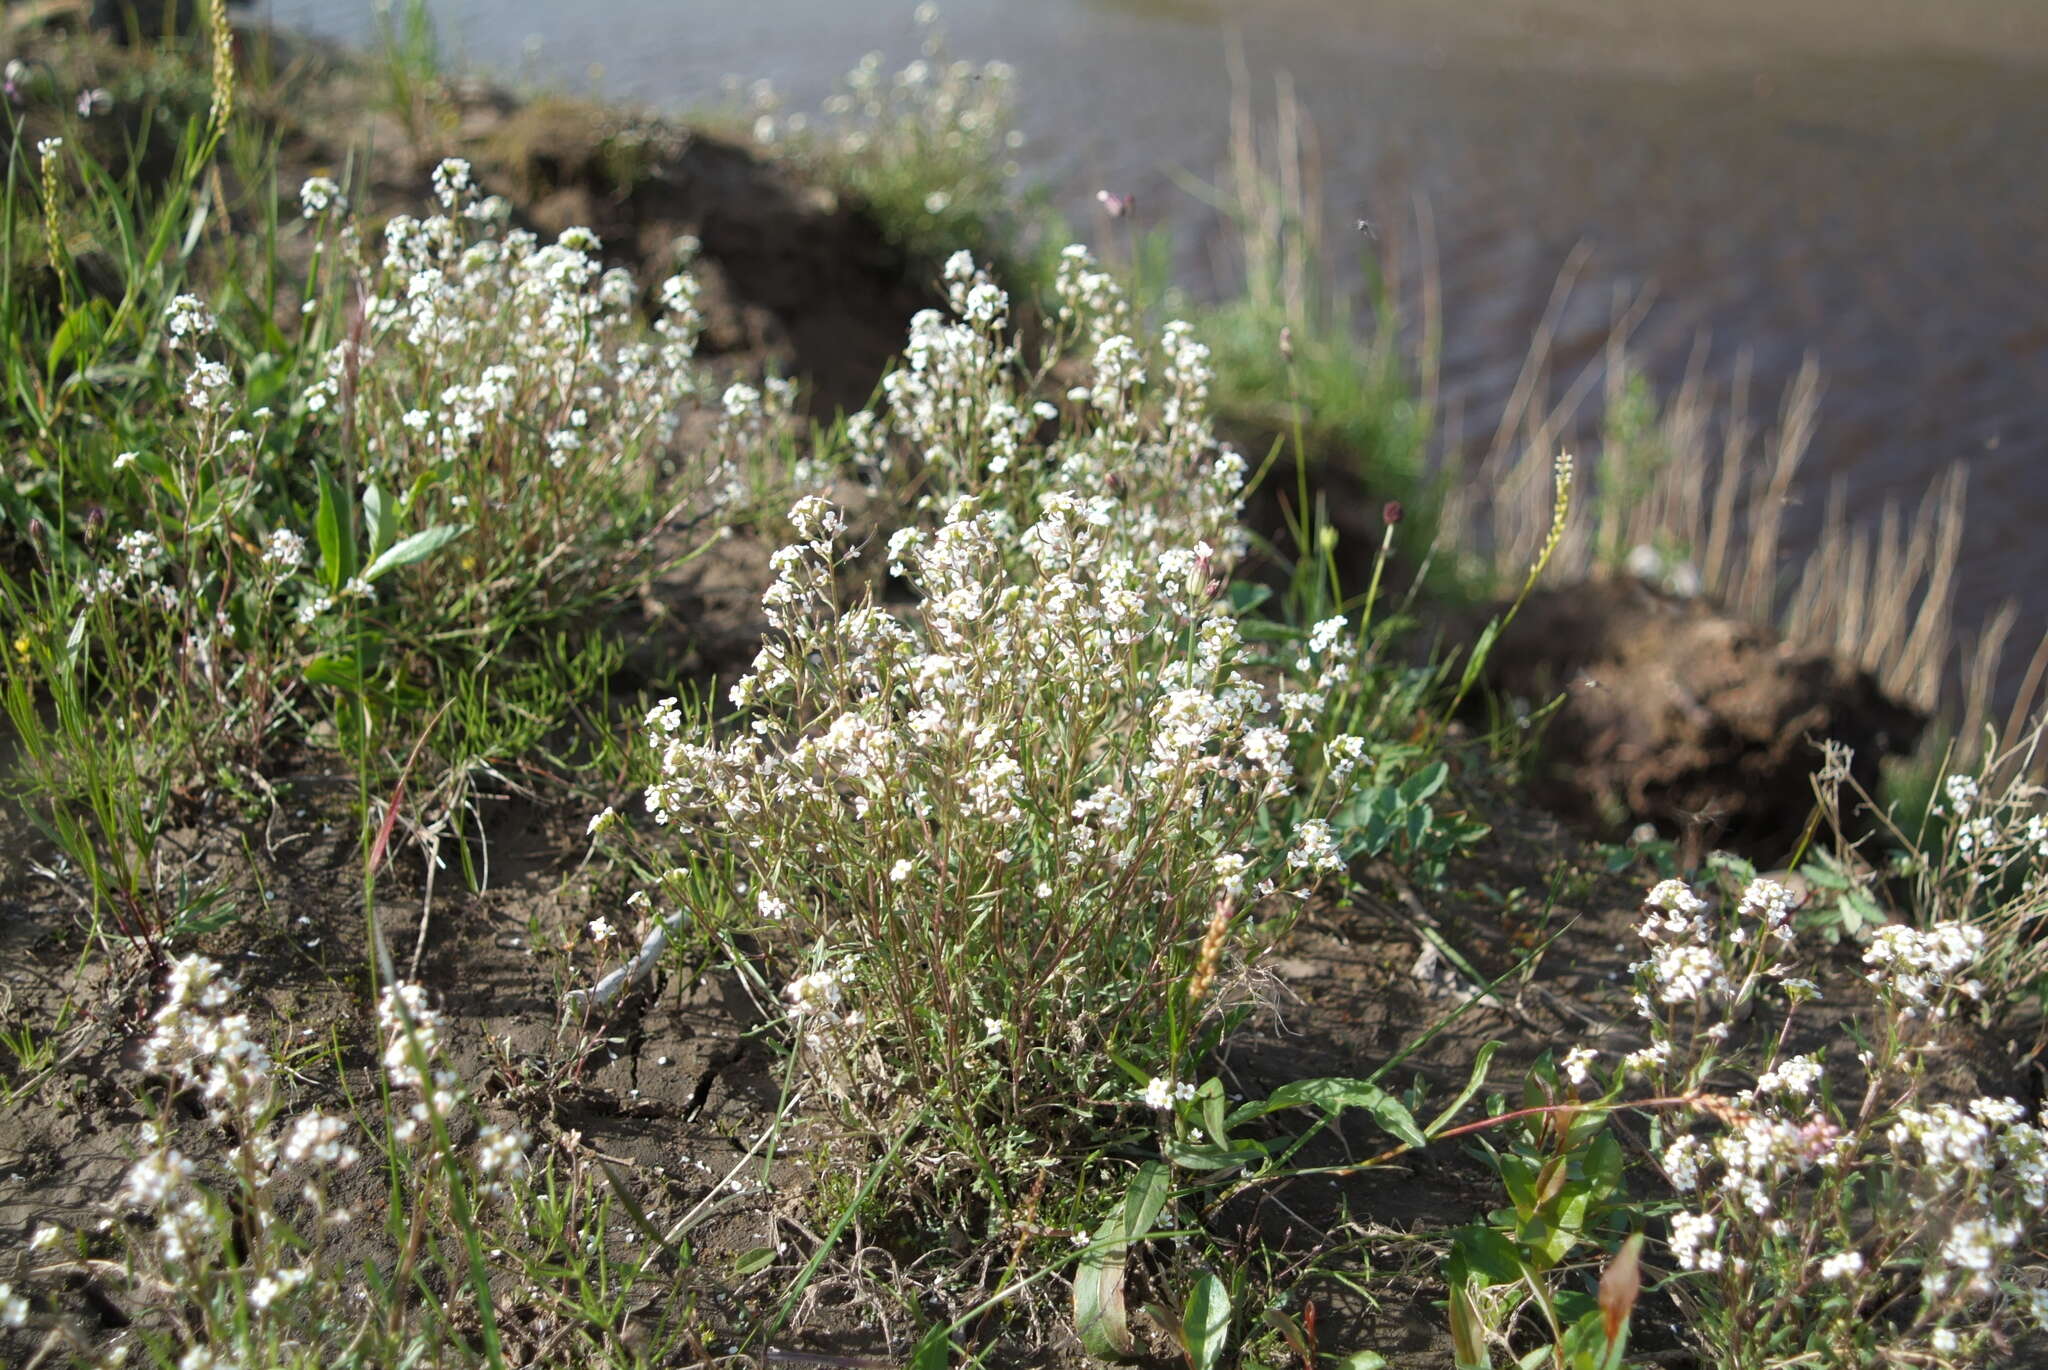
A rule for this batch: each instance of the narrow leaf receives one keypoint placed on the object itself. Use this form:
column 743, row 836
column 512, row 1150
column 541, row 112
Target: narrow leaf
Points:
column 1473, row 1084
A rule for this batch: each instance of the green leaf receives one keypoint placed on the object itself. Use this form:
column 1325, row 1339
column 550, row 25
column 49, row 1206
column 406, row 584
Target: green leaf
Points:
column 1144, row 1199
column 1485, row 1254
column 1424, row 783
column 336, row 673
column 1246, row 595
column 1335, row 1095
column 1099, row 1315
column 753, row 1260
column 1519, row 1176
column 1546, row 1243
column 1210, row 1099
column 380, row 515
column 1468, row 1330
column 1205, row 1322
column 337, row 555
column 416, row 548
column 1473, row 1083
column 1099, row 1318
column 1363, row 1360
column 934, row 1349
column 80, row 329
column 1603, row 1165
column 1195, row 1156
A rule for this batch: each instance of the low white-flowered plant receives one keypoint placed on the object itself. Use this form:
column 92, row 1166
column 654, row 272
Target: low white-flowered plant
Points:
column 1791, row 1181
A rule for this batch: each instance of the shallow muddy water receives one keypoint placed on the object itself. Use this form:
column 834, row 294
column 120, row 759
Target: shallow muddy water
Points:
column 1864, row 182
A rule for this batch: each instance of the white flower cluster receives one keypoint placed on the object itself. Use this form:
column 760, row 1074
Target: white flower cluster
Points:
column 1064, row 707
column 930, row 110
column 1917, row 964
column 411, row 1029
column 478, row 335
column 1161, row 1092
column 193, row 1042
column 197, row 1041
column 961, row 403
column 415, row 1062
column 320, row 195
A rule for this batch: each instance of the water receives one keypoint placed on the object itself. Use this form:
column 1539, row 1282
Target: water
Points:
column 1860, row 181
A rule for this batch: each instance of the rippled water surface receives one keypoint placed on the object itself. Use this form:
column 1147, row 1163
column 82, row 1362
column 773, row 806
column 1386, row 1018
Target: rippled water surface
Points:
column 1860, row 181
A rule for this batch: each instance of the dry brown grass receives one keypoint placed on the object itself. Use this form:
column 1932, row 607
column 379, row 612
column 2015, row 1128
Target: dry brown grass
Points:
column 1713, row 489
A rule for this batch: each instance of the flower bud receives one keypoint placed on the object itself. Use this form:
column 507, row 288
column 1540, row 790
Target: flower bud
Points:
column 1392, row 513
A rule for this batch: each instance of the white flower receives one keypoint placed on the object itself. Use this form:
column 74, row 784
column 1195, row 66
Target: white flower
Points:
column 284, row 548
column 451, row 181
column 601, row 929
column 1841, row 1265
column 188, row 318
column 900, row 872
column 603, row 822
column 1575, row 1062
column 816, row 995
column 1675, row 896
column 1315, row 848
column 1158, row 1092
column 1794, row 1077
column 1915, row 963
column 1689, row 1231
column 13, row 1307
column 270, row 1288
column 319, row 194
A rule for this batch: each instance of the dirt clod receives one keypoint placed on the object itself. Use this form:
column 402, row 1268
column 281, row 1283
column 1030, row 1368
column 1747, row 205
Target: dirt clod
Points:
column 1676, row 714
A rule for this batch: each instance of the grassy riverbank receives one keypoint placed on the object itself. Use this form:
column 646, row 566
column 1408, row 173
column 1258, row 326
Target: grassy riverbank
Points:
column 634, row 747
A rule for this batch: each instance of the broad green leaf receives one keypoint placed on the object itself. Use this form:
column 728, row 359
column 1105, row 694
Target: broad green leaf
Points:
column 1099, row 1318
column 1246, row 595
column 1603, row 1165
column 753, row 1260
column 416, row 548
column 1519, row 1177
column 1484, row 1254
column 1210, row 1099
column 1362, row 1360
column 1546, row 1243
column 80, row 329
column 1205, row 1322
column 1424, row 783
